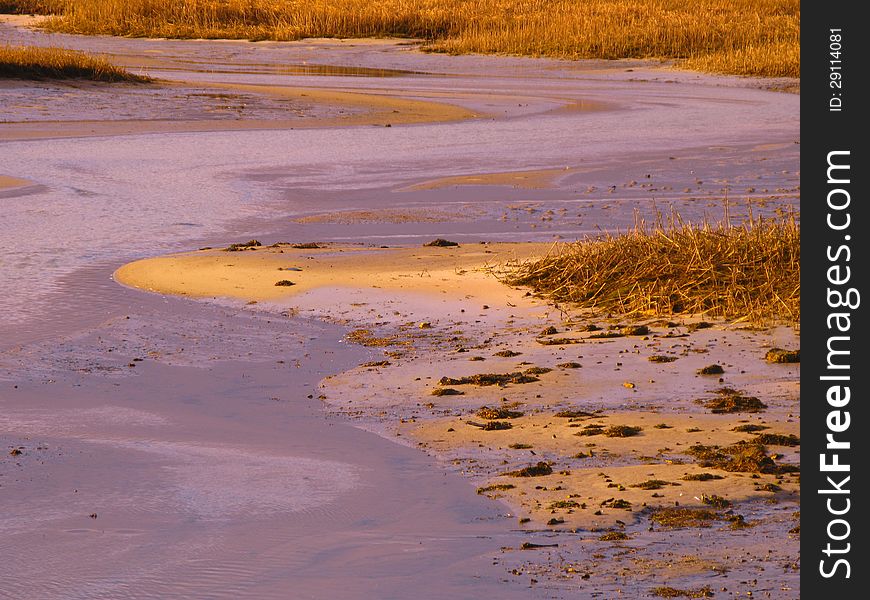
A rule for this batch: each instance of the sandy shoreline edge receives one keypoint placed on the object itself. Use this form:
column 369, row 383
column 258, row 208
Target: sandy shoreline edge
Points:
column 421, row 305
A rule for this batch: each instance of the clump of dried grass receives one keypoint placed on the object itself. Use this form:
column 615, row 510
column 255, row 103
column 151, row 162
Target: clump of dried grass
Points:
column 747, row 272
column 32, row 62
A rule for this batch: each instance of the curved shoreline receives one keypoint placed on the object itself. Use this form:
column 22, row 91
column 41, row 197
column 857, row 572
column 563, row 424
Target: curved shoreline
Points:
column 435, row 292
column 439, row 312
column 533, row 169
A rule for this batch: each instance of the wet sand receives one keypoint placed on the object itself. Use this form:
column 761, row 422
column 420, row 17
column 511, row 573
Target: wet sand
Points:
column 208, row 469
column 174, row 453
column 440, row 313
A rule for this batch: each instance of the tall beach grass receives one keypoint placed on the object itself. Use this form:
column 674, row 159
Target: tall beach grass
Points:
column 749, row 37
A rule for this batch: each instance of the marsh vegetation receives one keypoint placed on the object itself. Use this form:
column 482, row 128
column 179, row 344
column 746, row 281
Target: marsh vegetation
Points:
column 745, row 272
column 30, row 62
column 745, row 37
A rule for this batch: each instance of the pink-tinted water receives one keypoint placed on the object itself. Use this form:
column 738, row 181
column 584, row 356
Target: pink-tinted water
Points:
column 208, row 470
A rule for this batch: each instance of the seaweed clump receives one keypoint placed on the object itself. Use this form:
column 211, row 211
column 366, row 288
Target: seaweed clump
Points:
column 364, row 337
column 485, row 379
column 674, row 517
column 441, row 243
column 749, row 428
column 377, row 363
column 537, row 370
column 652, row 484
column 617, row 503
column 486, row 412
column 701, row 477
column 447, row 392
column 249, row 245
column 613, row 431
column 622, row 431
column 564, row 504
column 604, row 335
column 669, row 592
column 558, row 341
column 732, row 401
column 778, row 355
column 492, row 425
column 715, row 501
column 573, row 414
column 539, row 470
column 742, row 457
column 496, row 487
column 777, row 439
column 635, row 330
column 591, row 429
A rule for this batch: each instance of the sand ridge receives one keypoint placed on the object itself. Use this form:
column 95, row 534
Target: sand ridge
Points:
column 7, row 182
column 252, row 274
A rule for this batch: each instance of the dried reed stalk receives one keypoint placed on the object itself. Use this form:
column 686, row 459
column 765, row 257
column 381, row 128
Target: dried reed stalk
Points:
column 748, row 272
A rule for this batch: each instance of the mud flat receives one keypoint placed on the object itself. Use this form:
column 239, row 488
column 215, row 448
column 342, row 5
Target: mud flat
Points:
column 605, row 437
column 158, row 446
column 173, row 452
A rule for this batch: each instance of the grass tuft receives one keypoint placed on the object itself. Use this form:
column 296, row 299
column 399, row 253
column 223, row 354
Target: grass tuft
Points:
column 747, row 272
column 32, row 62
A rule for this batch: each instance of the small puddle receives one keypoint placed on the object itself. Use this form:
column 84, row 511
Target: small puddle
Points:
column 304, row 70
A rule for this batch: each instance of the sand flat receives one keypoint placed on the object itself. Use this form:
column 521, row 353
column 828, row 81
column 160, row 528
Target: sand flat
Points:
column 251, row 274
column 7, row 182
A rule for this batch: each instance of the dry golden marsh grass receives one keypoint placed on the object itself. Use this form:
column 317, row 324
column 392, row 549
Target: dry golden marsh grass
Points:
column 749, row 272
column 29, row 62
column 746, row 37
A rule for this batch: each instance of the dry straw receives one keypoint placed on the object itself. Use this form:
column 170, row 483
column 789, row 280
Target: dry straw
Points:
column 29, row 62
column 747, row 272
column 747, row 37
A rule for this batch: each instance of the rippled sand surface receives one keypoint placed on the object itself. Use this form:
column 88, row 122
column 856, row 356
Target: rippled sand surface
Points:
column 156, row 464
